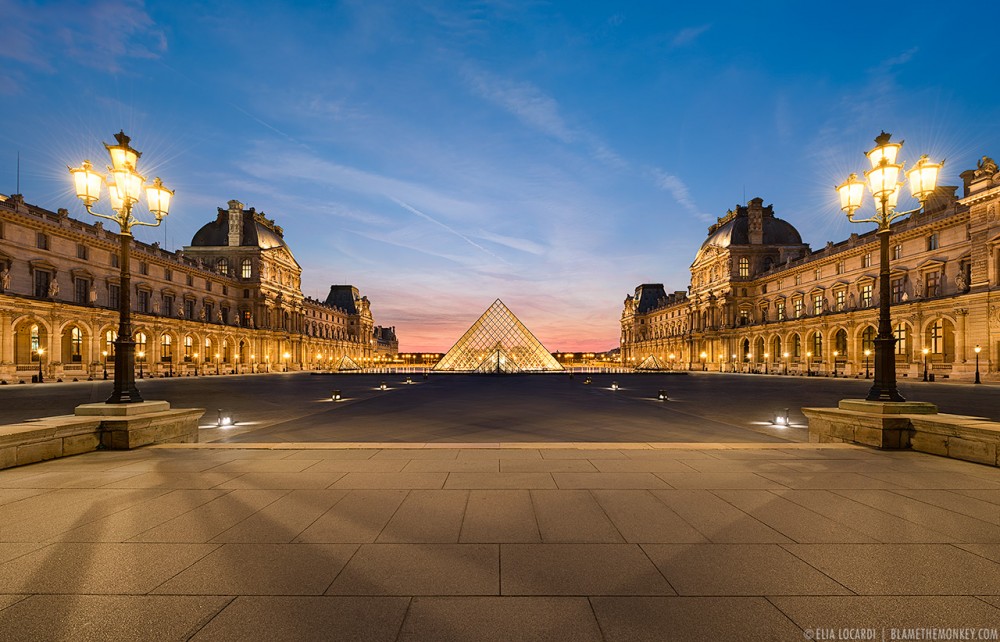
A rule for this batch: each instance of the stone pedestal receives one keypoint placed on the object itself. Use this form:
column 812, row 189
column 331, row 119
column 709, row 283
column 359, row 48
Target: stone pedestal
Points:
column 870, row 423
column 127, row 426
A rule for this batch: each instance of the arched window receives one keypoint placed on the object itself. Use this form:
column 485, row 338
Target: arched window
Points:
column 902, row 339
column 225, row 351
column 33, row 332
column 746, row 350
column 868, row 339
column 817, row 345
column 744, row 266
column 188, row 347
column 937, row 337
column 796, row 346
column 140, row 344
column 166, row 348
column 76, row 344
column 109, row 342
column 840, row 343
column 222, row 265
column 246, row 268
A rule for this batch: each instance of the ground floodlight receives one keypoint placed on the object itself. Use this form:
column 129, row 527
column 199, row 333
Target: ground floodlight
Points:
column 614, row 385
column 225, row 419
column 662, row 396
column 587, row 381
column 335, row 396
column 409, row 380
column 382, row 386
column 780, row 417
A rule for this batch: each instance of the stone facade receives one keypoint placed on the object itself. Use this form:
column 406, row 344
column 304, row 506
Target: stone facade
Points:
column 235, row 292
column 758, row 293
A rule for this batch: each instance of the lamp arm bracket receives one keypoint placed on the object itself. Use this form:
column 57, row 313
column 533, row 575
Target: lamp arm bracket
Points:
column 156, row 224
column 99, row 215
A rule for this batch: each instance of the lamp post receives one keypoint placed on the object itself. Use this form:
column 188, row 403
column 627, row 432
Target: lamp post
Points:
column 809, row 367
column 926, row 351
column 704, row 355
column 217, row 364
column 785, row 359
column 253, row 364
column 284, row 360
column 104, row 353
column 267, row 363
column 196, row 366
column 883, row 181
column 836, row 353
column 140, row 356
column 868, row 353
column 767, row 357
column 978, row 350
column 40, row 351
column 236, row 358
column 125, row 187
column 672, row 357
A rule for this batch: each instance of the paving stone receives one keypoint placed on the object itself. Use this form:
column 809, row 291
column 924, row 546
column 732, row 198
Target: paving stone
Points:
column 10, row 600
column 572, row 453
column 953, row 524
column 790, row 519
column 878, row 525
column 98, row 568
column 499, row 480
column 291, row 619
column 989, row 551
column 9, row 551
column 283, row 519
column 608, row 480
column 207, row 479
column 579, row 569
column 639, row 466
column 262, row 569
column 935, row 480
column 452, row 466
column 391, row 480
column 640, row 517
column 359, row 517
column 416, row 453
column 738, row 569
column 172, row 465
column 108, row 617
column 903, row 569
column 500, row 619
column 421, row 569
column 264, row 466
column 499, row 516
column 991, row 496
column 546, row 466
column 717, row 480
column 126, row 524
column 826, row 481
column 72, row 479
column 282, row 481
column 334, row 465
column 208, row 520
column 887, row 612
column 39, row 518
column 956, row 502
column 572, row 516
column 499, row 453
column 427, row 516
column 717, row 519
column 692, row 619
column 11, row 495
column 330, row 454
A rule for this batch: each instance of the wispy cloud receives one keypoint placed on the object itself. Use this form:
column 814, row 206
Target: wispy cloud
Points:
column 450, row 229
column 525, row 101
column 679, row 190
column 688, row 35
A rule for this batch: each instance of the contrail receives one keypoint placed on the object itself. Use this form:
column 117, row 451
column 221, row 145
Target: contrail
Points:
column 450, row 229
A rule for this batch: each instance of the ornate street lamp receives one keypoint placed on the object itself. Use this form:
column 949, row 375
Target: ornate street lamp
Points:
column 978, row 350
column 196, row 366
column 836, row 353
column 703, row 355
column 217, row 364
column 40, row 352
column 926, row 351
column 767, row 357
column 104, row 353
column 141, row 355
column 785, row 359
column 884, row 183
column 809, row 367
column 868, row 353
column 125, row 186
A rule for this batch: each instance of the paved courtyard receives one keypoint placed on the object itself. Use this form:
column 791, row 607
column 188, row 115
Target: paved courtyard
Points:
column 614, row 542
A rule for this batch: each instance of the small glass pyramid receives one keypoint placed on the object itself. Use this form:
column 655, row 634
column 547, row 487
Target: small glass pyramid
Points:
column 498, row 342
column 652, row 362
column 345, row 364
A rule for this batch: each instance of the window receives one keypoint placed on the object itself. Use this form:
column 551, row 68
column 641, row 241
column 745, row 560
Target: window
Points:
column 225, row 290
column 168, row 274
column 932, row 286
column 190, row 281
column 188, row 347
column 42, row 241
column 140, row 345
column 899, row 332
column 81, row 290
column 840, row 343
column 932, row 242
column 189, row 308
column 168, row 305
column 76, row 345
column 143, row 301
column 222, row 266
column 818, row 303
column 798, row 279
column 246, row 294
column 866, row 295
column 114, row 260
column 33, row 334
column 780, row 305
column 744, row 317
column 245, row 320
column 897, row 290
column 937, row 337
column 744, row 267
column 81, row 251
column 166, row 348
column 143, row 268
column 797, row 304
column 817, row 345
column 208, row 285
column 246, row 268
column 796, row 347
column 225, row 314
column 897, row 252
column 209, row 308
column 866, row 260
column 114, row 296
column 817, row 274
column 841, row 296
column 840, row 267
column 42, row 279
column 868, row 339
column 109, row 343
column 763, row 289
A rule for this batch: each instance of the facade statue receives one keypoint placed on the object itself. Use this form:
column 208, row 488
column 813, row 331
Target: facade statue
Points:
column 201, row 314
column 53, row 288
column 986, row 166
column 918, row 288
column 5, row 279
column 156, row 306
column 92, row 295
column 960, row 281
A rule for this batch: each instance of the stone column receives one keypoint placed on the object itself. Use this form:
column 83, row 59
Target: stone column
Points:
column 6, row 339
column 960, row 349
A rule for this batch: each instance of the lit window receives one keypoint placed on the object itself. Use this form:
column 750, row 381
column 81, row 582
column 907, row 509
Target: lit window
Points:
column 897, row 252
column 866, row 260
column 866, row 295
column 932, row 242
column 899, row 332
column 868, row 339
column 744, row 267
column 246, row 269
column 937, row 337
column 797, row 303
column 817, row 304
column 222, row 266
column 932, row 284
column 841, row 299
column 76, row 344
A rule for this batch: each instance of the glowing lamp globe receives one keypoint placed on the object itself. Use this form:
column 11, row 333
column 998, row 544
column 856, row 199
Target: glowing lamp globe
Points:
column 158, row 198
column 884, row 150
column 923, row 178
column 122, row 154
column 852, row 192
column 87, row 183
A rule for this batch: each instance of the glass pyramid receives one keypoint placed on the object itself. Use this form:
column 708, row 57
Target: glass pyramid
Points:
column 345, row 363
column 652, row 362
column 498, row 342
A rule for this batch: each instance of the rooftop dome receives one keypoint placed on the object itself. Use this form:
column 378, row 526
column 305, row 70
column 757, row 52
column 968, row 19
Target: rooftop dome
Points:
column 734, row 228
column 254, row 232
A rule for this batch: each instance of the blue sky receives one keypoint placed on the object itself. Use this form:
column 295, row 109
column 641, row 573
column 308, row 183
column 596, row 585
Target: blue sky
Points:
column 439, row 155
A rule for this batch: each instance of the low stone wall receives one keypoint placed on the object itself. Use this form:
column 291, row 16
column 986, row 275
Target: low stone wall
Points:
column 889, row 426
column 97, row 426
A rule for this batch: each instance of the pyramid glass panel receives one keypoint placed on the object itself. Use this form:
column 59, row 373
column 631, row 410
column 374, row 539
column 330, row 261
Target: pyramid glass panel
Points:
column 498, row 342
column 346, row 364
column 652, row 362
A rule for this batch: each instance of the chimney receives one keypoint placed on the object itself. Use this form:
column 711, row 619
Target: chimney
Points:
column 235, row 222
column 755, row 224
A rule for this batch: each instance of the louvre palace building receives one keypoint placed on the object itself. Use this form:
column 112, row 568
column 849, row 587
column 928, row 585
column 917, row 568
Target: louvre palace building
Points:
column 231, row 302
column 760, row 300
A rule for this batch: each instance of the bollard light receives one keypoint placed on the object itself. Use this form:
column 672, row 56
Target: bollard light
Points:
column 780, row 417
column 225, row 419
column 662, row 396
column 335, row 396
column 409, row 380
column 587, row 381
column 382, row 386
column 614, row 385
